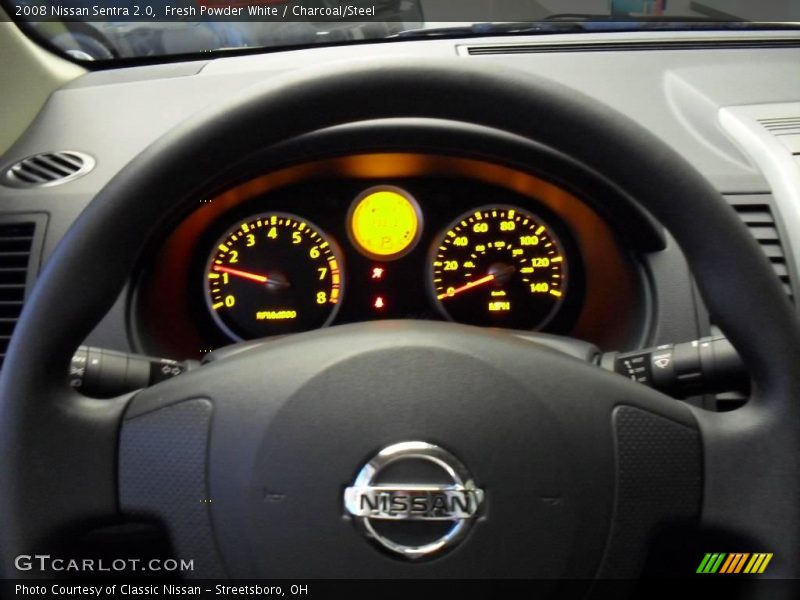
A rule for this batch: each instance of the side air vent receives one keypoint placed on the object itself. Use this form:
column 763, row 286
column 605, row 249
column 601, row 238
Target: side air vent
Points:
column 757, row 214
column 761, row 223
column 47, row 169
column 16, row 248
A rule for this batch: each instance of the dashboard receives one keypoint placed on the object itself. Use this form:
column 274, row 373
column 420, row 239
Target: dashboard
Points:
column 624, row 283
column 387, row 236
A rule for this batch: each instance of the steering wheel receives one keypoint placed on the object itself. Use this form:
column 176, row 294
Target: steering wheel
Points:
column 559, row 469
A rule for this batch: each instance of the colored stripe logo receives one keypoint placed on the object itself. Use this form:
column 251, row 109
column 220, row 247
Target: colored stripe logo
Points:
column 733, row 563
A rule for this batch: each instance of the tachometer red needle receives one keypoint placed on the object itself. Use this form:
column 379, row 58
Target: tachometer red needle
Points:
column 242, row 274
column 466, row 287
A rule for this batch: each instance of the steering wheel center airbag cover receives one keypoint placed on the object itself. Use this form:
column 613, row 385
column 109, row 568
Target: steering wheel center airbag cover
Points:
column 295, row 420
column 358, row 389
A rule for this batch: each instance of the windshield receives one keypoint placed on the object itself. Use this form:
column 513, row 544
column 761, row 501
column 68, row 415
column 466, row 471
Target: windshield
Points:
column 116, row 31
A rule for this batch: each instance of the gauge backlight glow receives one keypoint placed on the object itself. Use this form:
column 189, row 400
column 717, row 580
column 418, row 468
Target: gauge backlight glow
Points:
column 272, row 274
column 499, row 266
column 384, row 223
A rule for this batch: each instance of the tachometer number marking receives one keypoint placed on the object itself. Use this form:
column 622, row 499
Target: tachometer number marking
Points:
column 275, row 273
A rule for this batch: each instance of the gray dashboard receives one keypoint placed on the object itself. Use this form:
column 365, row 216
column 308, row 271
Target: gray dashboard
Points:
column 673, row 84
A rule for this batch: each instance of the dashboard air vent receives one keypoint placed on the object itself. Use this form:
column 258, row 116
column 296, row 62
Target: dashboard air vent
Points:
column 761, row 223
column 16, row 245
column 47, row 169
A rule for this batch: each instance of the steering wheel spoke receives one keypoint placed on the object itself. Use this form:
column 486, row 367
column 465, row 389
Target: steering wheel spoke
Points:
column 750, row 482
column 69, row 468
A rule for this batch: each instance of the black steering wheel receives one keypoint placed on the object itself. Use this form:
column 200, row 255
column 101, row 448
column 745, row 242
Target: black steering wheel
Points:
column 558, row 468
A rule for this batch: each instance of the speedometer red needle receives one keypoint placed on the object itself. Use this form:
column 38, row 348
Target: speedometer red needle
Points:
column 242, row 274
column 466, row 287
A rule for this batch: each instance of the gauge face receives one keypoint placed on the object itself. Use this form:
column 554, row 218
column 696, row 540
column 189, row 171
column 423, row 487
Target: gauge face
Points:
column 499, row 266
column 272, row 274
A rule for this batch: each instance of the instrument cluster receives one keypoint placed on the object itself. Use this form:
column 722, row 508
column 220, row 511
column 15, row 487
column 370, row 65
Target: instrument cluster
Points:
column 499, row 265
column 281, row 257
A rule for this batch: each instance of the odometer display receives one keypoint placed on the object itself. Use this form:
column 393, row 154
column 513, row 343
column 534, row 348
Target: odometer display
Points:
column 274, row 273
column 499, row 266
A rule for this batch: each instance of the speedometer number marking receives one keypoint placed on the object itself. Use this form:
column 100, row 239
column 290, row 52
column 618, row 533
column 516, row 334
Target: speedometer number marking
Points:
column 499, row 266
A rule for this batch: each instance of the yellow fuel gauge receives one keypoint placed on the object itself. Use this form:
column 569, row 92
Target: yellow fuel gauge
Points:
column 384, row 223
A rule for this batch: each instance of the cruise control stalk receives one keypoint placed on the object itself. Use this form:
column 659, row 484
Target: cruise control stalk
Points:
column 705, row 366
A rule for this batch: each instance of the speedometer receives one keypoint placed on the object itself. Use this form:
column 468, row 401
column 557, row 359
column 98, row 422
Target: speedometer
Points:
column 271, row 274
column 499, row 266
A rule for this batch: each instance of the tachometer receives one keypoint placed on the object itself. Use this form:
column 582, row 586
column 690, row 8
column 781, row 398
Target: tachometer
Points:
column 271, row 274
column 499, row 266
